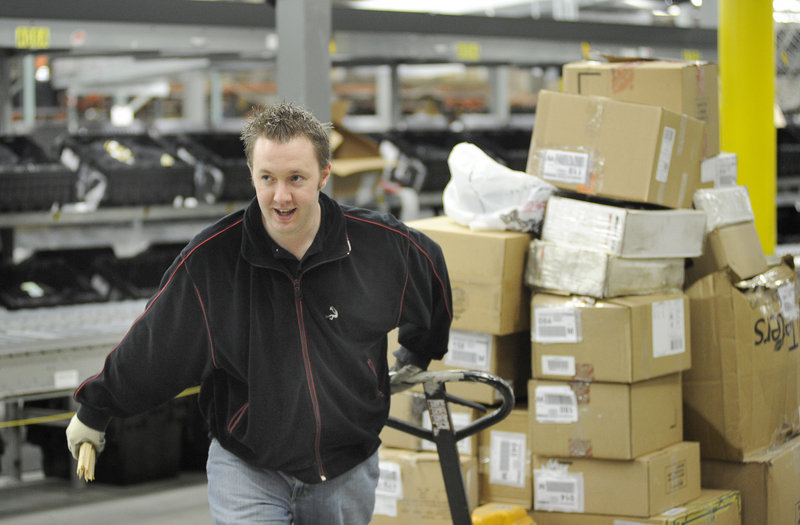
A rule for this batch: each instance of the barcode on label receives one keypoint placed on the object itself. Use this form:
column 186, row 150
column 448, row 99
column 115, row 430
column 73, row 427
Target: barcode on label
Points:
column 390, row 482
column 665, row 154
column 556, row 399
column 558, row 365
column 669, row 334
column 556, row 324
column 556, row 404
column 507, row 458
column 469, row 350
column 558, row 491
column 565, row 166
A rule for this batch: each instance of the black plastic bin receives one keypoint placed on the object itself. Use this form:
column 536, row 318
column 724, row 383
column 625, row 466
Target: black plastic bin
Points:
column 30, row 179
column 224, row 151
column 136, row 277
column 138, row 169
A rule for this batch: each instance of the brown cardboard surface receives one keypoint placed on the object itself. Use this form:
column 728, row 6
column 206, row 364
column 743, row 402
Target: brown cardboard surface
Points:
column 736, row 247
column 506, row 356
column 713, row 507
column 742, row 392
column 643, row 487
column 355, row 156
column 688, row 87
column 605, row 420
column 504, row 459
column 612, row 340
column 411, row 488
column 486, row 275
column 620, row 150
column 769, row 483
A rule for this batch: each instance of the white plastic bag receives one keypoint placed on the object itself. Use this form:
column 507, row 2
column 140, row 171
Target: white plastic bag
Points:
column 485, row 195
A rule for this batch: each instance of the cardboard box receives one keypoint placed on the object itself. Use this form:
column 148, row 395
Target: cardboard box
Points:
column 737, row 248
column 506, row 356
column 604, row 420
column 410, row 406
column 357, row 163
column 411, row 488
column 720, row 170
column 713, row 507
column 624, row 232
column 688, row 87
column 619, row 150
column 486, row 270
column 724, row 206
column 742, row 392
column 623, row 340
column 572, row 269
column 643, row 487
column 769, row 483
column 504, row 459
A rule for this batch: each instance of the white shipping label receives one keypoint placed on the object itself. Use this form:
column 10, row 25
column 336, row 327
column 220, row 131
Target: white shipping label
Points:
column 385, row 505
column 565, row 166
column 556, row 404
column 460, row 420
column 390, row 482
column 556, row 324
column 665, row 154
column 669, row 333
column 507, row 458
column 788, row 299
column 558, row 365
column 66, row 379
column 558, row 491
column 469, row 350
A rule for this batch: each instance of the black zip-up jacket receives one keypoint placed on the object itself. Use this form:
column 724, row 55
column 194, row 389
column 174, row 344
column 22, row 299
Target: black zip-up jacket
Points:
column 290, row 355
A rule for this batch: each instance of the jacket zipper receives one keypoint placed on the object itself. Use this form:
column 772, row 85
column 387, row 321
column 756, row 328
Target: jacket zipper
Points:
column 298, row 301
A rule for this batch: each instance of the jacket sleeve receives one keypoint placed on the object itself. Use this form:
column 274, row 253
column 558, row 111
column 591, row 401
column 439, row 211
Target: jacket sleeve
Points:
column 164, row 352
column 427, row 304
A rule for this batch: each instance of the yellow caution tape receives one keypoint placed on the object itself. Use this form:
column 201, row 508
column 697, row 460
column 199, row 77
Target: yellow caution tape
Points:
column 68, row 415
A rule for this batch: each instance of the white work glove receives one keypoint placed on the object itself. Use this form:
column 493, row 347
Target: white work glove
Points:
column 78, row 432
column 402, row 372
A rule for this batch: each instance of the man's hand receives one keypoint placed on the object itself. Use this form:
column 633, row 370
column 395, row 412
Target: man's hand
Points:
column 78, row 432
column 400, row 376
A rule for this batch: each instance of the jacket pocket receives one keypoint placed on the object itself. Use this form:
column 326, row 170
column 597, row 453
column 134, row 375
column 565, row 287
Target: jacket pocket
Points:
column 237, row 417
column 374, row 371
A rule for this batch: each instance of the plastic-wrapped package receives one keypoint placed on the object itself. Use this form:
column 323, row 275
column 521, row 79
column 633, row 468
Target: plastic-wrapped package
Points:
column 724, row 206
column 485, row 195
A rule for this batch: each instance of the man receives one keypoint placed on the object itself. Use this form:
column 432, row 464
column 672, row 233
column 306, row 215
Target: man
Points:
column 280, row 312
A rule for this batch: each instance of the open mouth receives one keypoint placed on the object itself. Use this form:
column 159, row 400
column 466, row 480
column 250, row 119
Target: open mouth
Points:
column 285, row 213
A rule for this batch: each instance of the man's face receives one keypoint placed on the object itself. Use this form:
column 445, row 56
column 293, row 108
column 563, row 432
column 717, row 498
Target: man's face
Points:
column 287, row 180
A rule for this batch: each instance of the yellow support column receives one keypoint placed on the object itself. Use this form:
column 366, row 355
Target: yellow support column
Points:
column 747, row 94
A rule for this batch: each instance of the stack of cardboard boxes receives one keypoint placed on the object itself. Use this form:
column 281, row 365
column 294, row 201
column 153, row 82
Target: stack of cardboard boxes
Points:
column 742, row 394
column 646, row 338
column 610, row 322
column 490, row 332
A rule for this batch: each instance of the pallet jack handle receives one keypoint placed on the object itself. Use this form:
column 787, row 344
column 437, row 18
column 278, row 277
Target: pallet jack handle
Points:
column 444, row 434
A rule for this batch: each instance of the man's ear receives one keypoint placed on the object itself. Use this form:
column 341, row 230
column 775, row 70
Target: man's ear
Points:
column 324, row 176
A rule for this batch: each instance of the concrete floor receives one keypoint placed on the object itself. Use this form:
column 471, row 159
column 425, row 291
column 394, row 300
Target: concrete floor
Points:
column 175, row 501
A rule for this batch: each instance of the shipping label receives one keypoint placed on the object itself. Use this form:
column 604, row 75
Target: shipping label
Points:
column 507, row 458
column 665, row 154
column 558, row 491
column 385, row 505
column 556, row 404
column 669, row 331
column 565, row 166
column 556, row 324
column 558, row 365
column 471, row 350
column 390, row 482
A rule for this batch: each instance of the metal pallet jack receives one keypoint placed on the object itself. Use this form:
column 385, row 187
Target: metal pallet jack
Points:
column 446, row 438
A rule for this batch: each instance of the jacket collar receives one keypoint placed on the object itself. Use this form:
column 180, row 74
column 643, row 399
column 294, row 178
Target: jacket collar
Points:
column 331, row 241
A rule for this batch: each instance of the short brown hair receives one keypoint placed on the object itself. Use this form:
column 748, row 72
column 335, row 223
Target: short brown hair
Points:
column 282, row 123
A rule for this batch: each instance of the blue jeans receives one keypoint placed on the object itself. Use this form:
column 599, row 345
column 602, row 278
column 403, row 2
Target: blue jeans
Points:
column 241, row 493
